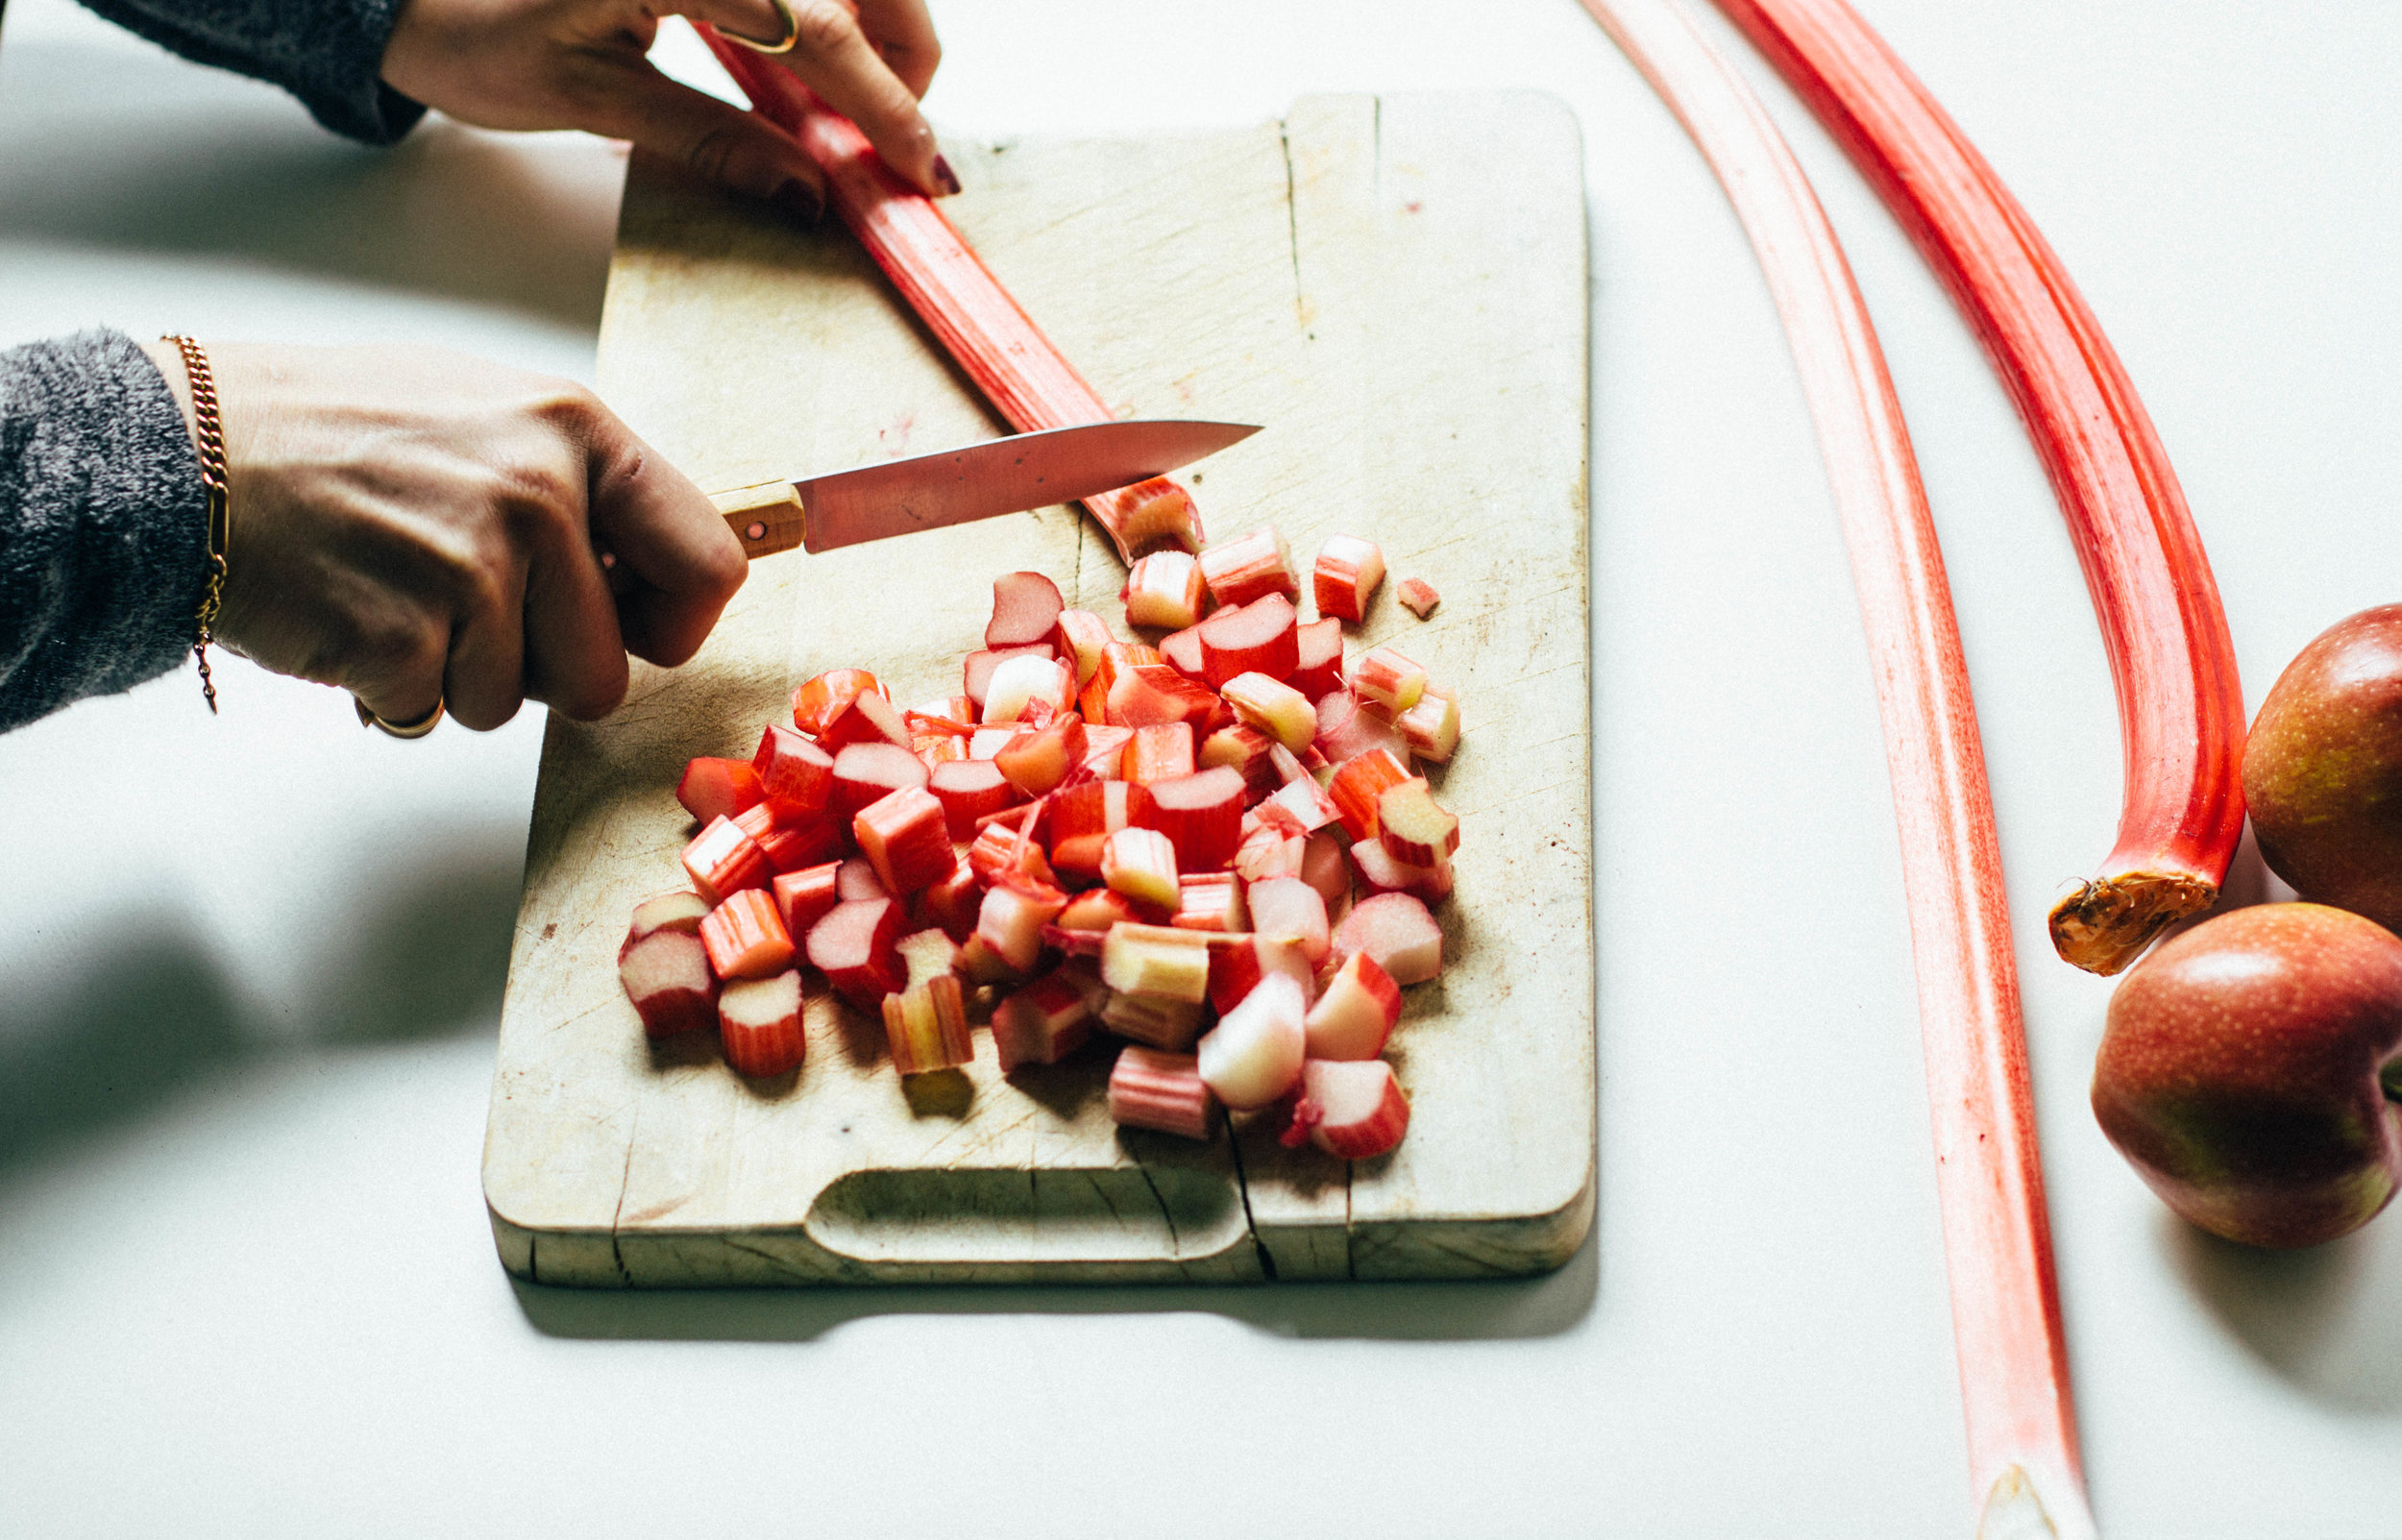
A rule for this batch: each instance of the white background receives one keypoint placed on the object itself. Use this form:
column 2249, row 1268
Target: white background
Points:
column 250, row 969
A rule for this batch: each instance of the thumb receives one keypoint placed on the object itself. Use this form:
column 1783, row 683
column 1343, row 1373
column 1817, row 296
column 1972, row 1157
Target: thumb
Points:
column 733, row 148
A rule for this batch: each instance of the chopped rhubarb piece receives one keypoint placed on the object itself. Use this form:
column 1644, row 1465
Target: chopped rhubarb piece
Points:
column 1161, row 1091
column 1079, row 638
column 1418, row 830
column 1148, row 693
column 1243, row 748
column 866, row 718
column 854, row 947
column 968, row 789
column 717, row 788
column 1202, row 814
column 666, row 975
column 1359, row 785
column 1026, row 608
column 746, row 938
column 952, row 902
column 1289, row 909
column 936, row 749
column 1158, row 752
column 723, row 859
column 926, row 954
column 1104, row 747
column 1164, row 590
column 759, row 1026
column 1181, row 651
column 681, row 910
column 1381, row 871
column 1348, row 729
column 1035, row 762
column 1361, row 1112
column 804, row 896
column 1387, row 679
column 1010, row 921
column 1096, row 807
column 1347, row 571
column 1247, row 567
column 1073, row 943
column 944, row 713
column 1157, row 1023
column 791, row 839
column 792, row 769
column 1307, row 802
column 1398, row 933
column 1237, row 967
column 1418, row 597
column 1019, row 681
column 981, row 965
column 1099, row 910
column 1324, row 867
column 976, row 673
column 1318, row 658
column 1042, row 1023
column 1209, row 901
column 904, row 833
column 1253, row 1055
column 998, row 849
column 856, row 879
column 867, row 773
column 1260, row 637
column 1269, row 850
column 1076, row 861
column 818, row 699
column 1431, row 727
column 1157, row 960
column 986, row 741
column 926, row 1026
column 1141, row 865
column 1356, row 1013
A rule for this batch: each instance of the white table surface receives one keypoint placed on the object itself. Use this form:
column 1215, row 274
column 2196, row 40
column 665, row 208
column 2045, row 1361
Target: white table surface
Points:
column 253, row 966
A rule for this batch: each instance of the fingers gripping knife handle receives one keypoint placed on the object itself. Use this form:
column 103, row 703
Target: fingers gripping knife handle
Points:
column 767, row 518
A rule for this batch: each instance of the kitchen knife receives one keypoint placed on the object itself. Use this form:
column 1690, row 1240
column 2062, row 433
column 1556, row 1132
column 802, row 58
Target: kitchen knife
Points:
column 955, row 486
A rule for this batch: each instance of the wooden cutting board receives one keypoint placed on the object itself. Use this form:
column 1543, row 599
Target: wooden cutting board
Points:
column 1396, row 286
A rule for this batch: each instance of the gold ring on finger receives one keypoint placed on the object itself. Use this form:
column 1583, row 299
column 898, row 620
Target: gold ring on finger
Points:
column 423, row 725
column 783, row 44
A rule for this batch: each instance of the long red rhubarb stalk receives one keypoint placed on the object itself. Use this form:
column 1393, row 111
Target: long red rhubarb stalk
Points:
column 946, row 283
column 2006, row 1306
column 2180, row 708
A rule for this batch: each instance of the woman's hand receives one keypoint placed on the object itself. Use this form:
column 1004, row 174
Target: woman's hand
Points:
column 420, row 526
column 580, row 65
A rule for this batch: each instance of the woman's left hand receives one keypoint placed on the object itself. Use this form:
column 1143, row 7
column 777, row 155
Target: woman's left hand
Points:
column 582, row 64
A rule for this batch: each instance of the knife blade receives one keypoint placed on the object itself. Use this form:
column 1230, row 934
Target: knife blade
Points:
column 956, row 486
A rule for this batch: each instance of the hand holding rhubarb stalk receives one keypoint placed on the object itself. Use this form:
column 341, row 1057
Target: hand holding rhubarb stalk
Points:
column 581, row 64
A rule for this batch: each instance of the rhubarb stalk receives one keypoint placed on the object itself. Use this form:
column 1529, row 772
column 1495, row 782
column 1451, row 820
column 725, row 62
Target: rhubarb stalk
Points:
column 946, row 283
column 2006, row 1324
column 2180, row 708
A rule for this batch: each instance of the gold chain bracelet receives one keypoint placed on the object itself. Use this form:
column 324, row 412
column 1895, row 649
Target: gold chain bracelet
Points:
column 213, row 477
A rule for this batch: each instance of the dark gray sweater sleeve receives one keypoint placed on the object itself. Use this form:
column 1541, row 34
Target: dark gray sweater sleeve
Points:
column 329, row 53
column 104, row 525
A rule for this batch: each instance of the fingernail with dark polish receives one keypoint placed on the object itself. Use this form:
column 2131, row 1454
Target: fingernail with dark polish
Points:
column 944, row 177
column 798, row 199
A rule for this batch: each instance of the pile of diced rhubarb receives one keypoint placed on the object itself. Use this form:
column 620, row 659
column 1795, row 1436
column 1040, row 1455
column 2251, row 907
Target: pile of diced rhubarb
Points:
column 1161, row 843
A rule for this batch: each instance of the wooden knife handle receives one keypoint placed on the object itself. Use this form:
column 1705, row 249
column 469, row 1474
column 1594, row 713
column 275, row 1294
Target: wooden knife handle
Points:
column 767, row 518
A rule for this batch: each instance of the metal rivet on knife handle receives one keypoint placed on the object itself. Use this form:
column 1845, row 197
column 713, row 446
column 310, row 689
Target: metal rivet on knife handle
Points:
column 767, row 518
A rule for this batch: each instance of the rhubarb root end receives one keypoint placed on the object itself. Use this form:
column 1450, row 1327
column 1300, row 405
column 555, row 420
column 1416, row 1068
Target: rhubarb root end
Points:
column 2105, row 924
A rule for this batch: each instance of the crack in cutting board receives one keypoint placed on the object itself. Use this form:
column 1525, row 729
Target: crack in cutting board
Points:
column 1411, row 326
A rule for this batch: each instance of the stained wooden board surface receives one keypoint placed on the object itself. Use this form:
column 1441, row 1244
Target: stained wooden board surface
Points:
column 1410, row 324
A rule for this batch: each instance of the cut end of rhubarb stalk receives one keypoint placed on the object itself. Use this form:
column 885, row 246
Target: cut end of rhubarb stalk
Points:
column 2103, row 926
column 2015, row 1509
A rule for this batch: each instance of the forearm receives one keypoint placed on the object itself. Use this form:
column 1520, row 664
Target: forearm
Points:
column 102, row 523
column 328, row 53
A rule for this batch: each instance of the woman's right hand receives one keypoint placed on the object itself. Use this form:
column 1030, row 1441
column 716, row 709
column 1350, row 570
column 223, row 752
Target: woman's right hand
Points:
column 422, row 527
